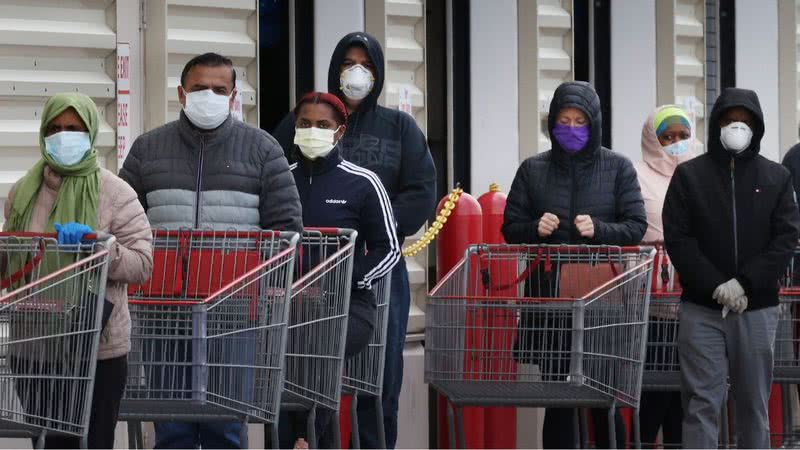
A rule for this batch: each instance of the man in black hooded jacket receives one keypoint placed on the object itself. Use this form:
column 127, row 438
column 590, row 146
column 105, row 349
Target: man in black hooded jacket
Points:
column 577, row 193
column 389, row 143
column 730, row 227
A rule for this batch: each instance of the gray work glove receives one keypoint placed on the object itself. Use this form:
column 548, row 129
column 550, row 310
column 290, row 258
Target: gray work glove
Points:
column 731, row 296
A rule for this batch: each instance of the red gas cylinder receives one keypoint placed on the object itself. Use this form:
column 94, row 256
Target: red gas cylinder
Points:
column 500, row 423
column 464, row 226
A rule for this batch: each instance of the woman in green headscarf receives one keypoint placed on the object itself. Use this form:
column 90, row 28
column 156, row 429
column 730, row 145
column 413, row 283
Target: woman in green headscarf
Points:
column 67, row 192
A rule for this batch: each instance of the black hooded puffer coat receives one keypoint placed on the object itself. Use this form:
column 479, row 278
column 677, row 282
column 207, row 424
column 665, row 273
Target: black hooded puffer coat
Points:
column 594, row 181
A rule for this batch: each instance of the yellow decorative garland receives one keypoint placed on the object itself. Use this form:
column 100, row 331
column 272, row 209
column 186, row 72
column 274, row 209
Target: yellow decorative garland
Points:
column 437, row 225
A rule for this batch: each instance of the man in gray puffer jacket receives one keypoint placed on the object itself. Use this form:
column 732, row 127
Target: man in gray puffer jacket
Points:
column 209, row 170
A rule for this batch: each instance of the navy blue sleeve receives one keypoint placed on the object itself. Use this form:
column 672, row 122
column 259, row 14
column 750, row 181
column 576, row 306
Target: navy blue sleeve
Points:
column 377, row 229
column 284, row 134
column 415, row 198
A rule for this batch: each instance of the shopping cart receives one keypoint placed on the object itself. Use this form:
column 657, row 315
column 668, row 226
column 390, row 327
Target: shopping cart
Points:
column 787, row 351
column 208, row 330
column 364, row 372
column 51, row 316
column 576, row 316
column 661, row 369
column 320, row 301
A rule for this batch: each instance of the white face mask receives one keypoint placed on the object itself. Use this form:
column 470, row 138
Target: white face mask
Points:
column 315, row 142
column 736, row 137
column 68, row 148
column 207, row 110
column 356, row 82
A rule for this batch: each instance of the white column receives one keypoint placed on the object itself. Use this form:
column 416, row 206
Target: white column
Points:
column 757, row 64
column 633, row 72
column 129, row 21
column 332, row 20
column 494, row 121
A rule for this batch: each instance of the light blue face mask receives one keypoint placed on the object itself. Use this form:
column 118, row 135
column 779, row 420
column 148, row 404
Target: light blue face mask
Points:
column 68, row 147
column 678, row 148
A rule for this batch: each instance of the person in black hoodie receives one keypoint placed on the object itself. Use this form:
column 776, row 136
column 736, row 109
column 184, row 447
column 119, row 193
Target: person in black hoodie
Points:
column 730, row 227
column 389, row 143
column 577, row 193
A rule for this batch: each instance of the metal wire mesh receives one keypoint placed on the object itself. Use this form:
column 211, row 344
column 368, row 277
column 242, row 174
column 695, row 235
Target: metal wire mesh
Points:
column 318, row 318
column 662, row 369
column 576, row 313
column 208, row 332
column 364, row 371
column 50, row 324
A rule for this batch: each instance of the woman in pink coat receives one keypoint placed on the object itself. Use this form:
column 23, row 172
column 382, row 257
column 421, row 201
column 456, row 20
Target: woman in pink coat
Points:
column 666, row 142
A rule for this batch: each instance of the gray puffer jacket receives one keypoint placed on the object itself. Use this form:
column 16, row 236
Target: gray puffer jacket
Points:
column 234, row 176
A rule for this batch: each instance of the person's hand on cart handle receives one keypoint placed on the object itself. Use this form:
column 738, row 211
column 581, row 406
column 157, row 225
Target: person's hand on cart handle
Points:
column 547, row 225
column 71, row 233
column 585, row 226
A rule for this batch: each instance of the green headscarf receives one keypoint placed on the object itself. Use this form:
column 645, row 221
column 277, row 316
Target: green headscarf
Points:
column 80, row 189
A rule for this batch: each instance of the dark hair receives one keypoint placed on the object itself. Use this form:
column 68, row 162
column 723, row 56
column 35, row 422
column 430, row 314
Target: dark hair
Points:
column 315, row 98
column 209, row 60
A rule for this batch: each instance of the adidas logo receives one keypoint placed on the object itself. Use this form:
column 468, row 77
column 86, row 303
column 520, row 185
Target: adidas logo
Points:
column 333, row 201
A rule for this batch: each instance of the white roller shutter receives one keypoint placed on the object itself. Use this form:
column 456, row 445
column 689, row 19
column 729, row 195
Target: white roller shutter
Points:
column 680, row 57
column 178, row 30
column 46, row 47
column 545, row 61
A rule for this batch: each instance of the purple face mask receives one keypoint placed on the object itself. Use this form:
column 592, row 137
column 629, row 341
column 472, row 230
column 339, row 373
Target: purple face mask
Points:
column 571, row 139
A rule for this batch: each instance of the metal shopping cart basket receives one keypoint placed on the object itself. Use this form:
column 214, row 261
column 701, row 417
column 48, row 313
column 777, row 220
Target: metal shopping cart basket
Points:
column 787, row 351
column 661, row 369
column 208, row 330
column 363, row 375
column 51, row 315
column 320, row 300
column 539, row 326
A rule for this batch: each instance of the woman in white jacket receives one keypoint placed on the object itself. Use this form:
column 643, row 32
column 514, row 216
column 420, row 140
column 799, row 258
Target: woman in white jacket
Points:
column 666, row 142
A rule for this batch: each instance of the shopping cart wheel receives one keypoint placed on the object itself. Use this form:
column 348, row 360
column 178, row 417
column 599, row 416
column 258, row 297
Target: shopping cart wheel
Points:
column 612, row 427
column 460, row 425
column 274, row 439
column 637, row 430
column 355, row 440
column 786, row 404
column 583, row 421
column 335, row 429
column 311, row 428
column 379, row 418
column 244, row 435
column 40, row 439
column 451, row 427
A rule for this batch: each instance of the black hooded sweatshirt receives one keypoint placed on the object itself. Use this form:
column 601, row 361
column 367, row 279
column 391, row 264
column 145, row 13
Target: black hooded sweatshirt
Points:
column 593, row 181
column 729, row 216
column 386, row 141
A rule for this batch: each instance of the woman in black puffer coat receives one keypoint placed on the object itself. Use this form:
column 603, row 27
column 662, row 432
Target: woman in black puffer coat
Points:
column 577, row 193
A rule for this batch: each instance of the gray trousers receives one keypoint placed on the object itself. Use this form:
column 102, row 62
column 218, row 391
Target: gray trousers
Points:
column 712, row 349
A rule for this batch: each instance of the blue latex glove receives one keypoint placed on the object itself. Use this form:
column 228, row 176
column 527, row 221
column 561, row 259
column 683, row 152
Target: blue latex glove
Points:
column 71, row 233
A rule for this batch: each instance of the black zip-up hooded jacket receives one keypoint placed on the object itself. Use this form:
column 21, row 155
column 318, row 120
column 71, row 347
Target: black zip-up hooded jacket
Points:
column 593, row 181
column 386, row 141
column 729, row 216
